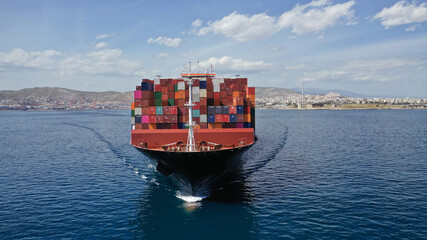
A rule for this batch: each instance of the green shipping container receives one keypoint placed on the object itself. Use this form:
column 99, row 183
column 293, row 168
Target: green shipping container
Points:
column 171, row 102
column 176, row 87
column 158, row 95
column 132, row 113
column 158, row 102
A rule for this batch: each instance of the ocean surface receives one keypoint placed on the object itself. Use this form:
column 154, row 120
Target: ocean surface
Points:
column 353, row 174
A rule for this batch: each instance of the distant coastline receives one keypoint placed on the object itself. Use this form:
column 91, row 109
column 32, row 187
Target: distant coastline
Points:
column 62, row 99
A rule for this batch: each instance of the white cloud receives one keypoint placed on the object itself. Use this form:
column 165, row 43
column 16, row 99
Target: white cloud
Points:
column 243, row 28
column 316, row 16
column 303, row 19
column 101, row 45
column 104, row 35
column 19, row 58
column 170, row 42
column 197, row 23
column 375, row 70
column 163, row 55
column 227, row 63
column 104, row 61
column 402, row 13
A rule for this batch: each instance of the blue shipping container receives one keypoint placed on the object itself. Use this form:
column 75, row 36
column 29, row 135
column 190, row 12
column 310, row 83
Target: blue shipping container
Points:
column 239, row 109
column 224, row 109
column 211, row 118
column 218, row 110
column 233, row 118
column 137, row 119
column 202, row 84
column 211, row 109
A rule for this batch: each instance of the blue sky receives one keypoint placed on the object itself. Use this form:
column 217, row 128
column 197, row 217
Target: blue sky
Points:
column 370, row 47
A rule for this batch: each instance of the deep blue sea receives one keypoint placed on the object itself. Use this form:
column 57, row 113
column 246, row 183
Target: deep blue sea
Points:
column 352, row 174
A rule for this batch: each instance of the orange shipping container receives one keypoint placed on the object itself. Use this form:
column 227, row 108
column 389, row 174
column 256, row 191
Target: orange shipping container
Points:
column 218, row 125
column 247, row 118
column 132, row 106
column 152, row 126
column 211, row 125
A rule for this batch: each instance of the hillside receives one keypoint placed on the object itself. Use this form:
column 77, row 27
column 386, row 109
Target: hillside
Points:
column 273, row 92
column 51, row 94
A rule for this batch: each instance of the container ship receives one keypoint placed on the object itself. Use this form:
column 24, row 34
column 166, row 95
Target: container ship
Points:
column 195, row 127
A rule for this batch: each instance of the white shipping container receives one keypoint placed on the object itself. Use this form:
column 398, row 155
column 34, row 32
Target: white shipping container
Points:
column 216, row 88
column 218, row 80
column 138, row 111
column 203, row 118
column 181, row 86
column 203, row 93
column 196, row 90
column 132, row 120
column 196, row 98
column 157, row 81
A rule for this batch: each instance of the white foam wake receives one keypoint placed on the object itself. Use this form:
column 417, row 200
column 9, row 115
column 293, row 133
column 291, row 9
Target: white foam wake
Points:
column 189, row 198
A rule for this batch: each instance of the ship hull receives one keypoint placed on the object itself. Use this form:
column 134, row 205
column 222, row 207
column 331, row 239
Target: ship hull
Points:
column 195, row 169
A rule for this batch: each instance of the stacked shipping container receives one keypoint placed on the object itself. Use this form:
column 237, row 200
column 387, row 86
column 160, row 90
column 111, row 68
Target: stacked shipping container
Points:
column 219, row 103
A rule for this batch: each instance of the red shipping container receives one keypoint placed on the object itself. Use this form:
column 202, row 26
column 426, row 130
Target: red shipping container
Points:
column 196, row 119
column 196, row 83
column 247, row 110
column 251, row 90
column 164, row 89
column 203, row 109
column 232, row 109
column 180, row 102
column 164, row 82
column 157, row 88
column 159, row 118
column 238, row 101
column 138, row 126
column 217, row 102
column 152, row 119
column 173, row 118
column 138, row 87
column 203, row 101
column 173, row 126
column 174, row 110
column 171, row 88
column 138, row 103
column 182, row 110
column 210, row 94
column 240, row 118
column 218, row 118
column 203, row 125
column 196, row 106
column 145, row 111
column 183, row 118
column 164, row 97
column 165, row 110
column 166, row 119
column 152, row 110
column 137, row 94
column 216, row 95
column 242, row 94
column 171, row 95
column 145, row 103
column 225, row 118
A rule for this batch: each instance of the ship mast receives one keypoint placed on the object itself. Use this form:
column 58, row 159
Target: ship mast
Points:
column 191, row 143
column 188, row 77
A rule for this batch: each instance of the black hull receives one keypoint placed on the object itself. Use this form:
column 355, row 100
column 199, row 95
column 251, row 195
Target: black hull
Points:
column 197, row 168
